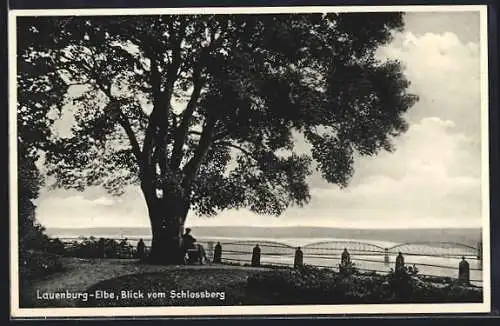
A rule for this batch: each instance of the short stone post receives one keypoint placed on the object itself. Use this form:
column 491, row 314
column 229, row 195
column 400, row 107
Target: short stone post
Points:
column 345, row 258
column 386, row 256
column 400, row 264
column 464, row 271
column 345, row 265
column 141, row 249
column 256, row 256
column 299, row 258
column 217, row 253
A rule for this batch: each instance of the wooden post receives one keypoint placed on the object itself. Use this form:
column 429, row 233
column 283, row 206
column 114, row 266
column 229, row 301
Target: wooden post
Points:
column 256, row 256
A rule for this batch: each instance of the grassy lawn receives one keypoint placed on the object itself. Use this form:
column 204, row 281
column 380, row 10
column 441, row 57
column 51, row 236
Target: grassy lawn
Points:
column 79, row 275
column 156, row 288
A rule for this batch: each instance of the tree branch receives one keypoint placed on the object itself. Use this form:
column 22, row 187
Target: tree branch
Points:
column 175, row 118
column 182, row 131
column 155, row 116
column 125, row 123
column 130, row 55
column 79, row 84
column 204, row 143
column 160, row 159
column 176, row 61
column 241, row 149
column 114, row 103
column 146, row 175
column 158, row 125
column 221, row 135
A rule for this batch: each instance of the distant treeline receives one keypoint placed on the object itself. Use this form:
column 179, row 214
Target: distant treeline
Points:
column 90, row 248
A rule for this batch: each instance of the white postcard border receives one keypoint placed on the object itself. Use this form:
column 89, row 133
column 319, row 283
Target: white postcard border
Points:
column 454, row 308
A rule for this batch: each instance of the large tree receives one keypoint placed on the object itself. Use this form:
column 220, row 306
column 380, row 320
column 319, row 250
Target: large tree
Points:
column 203, row 111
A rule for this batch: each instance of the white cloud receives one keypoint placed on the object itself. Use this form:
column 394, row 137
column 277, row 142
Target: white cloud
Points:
column 444, row 72
column 74, row 209
column 104, row 201
column 423, row 179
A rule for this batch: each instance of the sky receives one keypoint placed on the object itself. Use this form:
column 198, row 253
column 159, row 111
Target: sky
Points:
column 432, row 179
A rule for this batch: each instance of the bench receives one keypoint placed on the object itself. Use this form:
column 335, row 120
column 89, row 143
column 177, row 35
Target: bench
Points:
column 193, row 256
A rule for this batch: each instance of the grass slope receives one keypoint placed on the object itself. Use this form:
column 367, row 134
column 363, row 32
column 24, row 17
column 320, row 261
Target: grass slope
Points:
column 81, row 274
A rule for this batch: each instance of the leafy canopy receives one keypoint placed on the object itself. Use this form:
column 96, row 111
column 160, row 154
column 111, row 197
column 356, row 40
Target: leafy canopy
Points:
column 210, row 106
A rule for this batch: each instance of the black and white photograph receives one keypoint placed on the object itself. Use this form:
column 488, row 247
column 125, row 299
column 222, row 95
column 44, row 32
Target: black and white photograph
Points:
column 233, row 161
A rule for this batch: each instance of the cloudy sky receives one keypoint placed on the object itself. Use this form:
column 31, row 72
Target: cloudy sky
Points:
column 433, row 179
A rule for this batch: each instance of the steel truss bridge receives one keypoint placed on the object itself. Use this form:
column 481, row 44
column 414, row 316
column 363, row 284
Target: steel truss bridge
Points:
column 431, row 249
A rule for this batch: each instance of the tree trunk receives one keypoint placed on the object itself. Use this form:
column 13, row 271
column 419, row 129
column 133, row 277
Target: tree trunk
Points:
column 167, row 216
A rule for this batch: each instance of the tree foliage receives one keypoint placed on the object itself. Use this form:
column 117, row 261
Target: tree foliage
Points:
column 39, row 91
column 210, row 106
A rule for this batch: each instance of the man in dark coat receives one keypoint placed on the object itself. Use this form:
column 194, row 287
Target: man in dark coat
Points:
column 194, row 251
column 187, row 240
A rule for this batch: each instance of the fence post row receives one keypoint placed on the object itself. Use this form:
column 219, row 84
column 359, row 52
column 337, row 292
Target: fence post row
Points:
column 463, row 268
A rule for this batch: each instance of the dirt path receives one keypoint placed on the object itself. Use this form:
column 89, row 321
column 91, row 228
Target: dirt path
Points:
column 80, row 274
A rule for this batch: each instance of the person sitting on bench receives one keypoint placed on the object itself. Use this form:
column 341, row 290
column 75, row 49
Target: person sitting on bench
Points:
column 201, row 255
column 188, row 242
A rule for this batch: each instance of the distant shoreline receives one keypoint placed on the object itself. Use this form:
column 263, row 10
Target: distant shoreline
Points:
column 470, row 236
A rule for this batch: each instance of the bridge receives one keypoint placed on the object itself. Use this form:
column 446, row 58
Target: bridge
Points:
column 354, row 247
column 333, row 247
column 442, row 249
column 437, row 249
